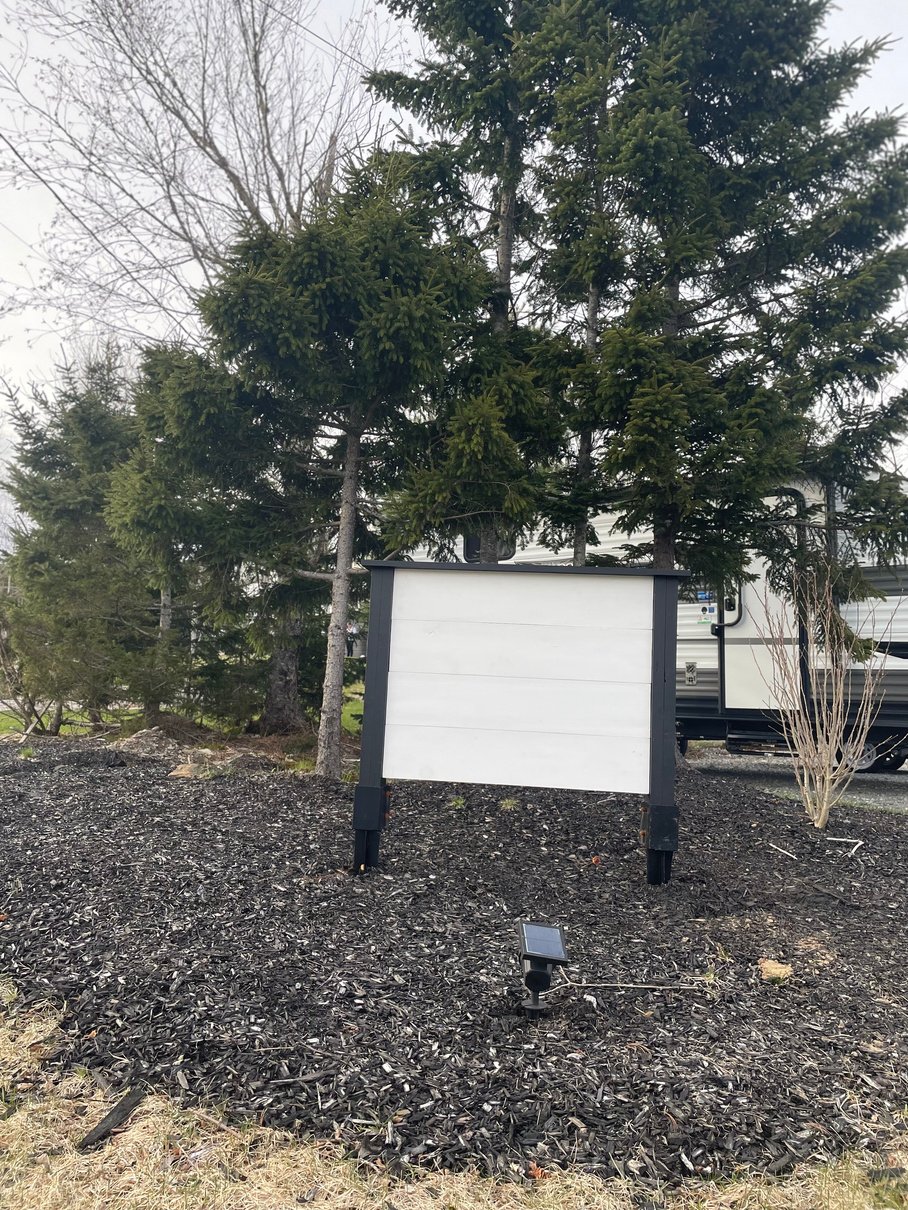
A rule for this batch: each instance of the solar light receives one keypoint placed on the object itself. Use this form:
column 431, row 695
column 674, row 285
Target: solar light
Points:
column 541, row 950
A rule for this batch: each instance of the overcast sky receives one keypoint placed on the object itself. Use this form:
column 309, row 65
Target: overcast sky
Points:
column 29, row 346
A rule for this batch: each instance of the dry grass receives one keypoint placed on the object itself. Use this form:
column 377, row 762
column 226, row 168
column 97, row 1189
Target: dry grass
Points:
column 172, row 1159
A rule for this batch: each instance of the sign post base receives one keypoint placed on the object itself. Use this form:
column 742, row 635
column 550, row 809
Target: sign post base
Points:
column 370, row 813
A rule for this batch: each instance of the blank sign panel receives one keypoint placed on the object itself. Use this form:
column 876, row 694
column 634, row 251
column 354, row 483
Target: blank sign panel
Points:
column 584, row 653
column 508, row 598
column 509, row 679
column 523, row 704
column 508, row 758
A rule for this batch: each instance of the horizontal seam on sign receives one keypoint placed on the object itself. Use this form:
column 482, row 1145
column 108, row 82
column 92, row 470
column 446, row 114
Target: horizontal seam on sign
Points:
column 580, row 627
column 578, row 789
column 503, row 676
column 515, row 731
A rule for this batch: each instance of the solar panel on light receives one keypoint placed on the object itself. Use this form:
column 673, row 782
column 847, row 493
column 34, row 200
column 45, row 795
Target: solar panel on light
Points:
column 545, row 941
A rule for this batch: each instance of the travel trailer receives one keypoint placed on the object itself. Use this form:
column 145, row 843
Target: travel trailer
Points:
column 724, row 674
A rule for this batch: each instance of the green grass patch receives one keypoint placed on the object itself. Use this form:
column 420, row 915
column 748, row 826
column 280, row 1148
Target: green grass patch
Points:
column 302, row 764
column 9, row 723
column 76, row 722
column 352, row 711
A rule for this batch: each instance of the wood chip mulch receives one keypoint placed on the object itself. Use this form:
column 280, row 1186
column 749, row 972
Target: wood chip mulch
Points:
column 206, row 937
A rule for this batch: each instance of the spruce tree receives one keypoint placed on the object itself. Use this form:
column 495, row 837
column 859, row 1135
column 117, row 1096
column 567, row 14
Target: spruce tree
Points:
column 220, row 496
column 497, row 427
column 83, row 614
column 574, row 68
column 718, row 240
column 751, row 315
column 326, row 346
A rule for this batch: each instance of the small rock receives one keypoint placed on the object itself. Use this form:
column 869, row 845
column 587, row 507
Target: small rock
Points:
column 774, row 972
column 189, row 770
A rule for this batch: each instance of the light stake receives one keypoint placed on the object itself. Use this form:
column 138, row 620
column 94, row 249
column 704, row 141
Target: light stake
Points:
column 541, row 950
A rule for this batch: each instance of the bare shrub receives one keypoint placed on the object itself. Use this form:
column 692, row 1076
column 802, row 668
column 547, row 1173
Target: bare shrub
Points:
column 826, row 681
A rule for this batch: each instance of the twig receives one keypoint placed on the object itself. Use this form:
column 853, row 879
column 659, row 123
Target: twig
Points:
column 213, row 1121
column 832, row 894
column 32, row 725
column 847, row 840
column 778, row 850
column 652, row 987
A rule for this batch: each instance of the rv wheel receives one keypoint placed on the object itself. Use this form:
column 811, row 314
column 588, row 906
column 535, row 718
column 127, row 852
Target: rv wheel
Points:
column 878, row 758
column 891, row 763
column 866, row 759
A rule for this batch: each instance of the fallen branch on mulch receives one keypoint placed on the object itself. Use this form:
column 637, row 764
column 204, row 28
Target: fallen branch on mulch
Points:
column 118, row 1116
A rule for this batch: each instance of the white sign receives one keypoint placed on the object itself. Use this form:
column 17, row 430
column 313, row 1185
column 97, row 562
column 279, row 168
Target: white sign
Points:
column 510, row 679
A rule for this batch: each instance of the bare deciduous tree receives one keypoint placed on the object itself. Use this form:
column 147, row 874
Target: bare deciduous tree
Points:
column 826, row 681
column 164, row 126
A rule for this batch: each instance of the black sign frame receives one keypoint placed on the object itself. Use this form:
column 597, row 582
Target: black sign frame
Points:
column 370, row 800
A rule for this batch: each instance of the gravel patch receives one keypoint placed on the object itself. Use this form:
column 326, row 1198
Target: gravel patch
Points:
column 885, row 791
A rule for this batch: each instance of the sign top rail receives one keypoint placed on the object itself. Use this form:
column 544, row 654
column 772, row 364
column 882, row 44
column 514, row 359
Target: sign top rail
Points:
column 525, row 568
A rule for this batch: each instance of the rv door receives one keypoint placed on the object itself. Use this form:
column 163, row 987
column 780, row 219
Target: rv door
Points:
column 746, row 665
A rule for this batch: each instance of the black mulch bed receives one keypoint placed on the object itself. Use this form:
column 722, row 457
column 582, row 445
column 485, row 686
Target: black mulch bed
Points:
column 205, row 935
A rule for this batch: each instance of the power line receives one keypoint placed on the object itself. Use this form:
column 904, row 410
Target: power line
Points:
column 345, row 54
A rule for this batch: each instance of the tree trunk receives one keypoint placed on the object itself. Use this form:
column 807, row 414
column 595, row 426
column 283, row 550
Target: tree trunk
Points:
column 57, row 720
column 152, row 705
column 328, row 760
column 488, row 543
column 665, row 528
column 585, row 450
column 501, row 302
column 508, row 180
column 166, row 618
column 94, row 717
column 584, row 470
column 31, row 714
column 664, row 550
column 27, row 708
column 507, row 206
column 281, row 710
